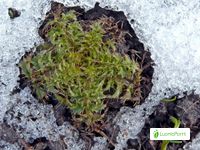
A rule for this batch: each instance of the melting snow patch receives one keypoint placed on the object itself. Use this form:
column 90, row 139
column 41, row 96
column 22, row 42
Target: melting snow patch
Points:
column 7, row 146
column 194, row 145
column 100, row 143
column 17, row 36
column 170, row 29
column 34, row 120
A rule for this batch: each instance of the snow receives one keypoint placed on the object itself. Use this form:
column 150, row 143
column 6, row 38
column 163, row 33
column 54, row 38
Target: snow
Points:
column 100, row 143
column 34, row 120
column 17, row 36
column 194, row 145
column 8, row 146
column 170, row 29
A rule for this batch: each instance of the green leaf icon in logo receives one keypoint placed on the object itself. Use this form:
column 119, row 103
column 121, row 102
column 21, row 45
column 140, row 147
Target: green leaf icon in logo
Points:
column 155, row 134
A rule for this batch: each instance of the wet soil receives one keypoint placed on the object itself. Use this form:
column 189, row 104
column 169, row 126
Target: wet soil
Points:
column 127, row 44
column 187, row 109
column 9, row 135
column 44, row 144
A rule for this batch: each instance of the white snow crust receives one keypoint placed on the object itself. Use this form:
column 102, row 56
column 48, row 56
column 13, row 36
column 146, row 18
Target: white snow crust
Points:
column 170, row 29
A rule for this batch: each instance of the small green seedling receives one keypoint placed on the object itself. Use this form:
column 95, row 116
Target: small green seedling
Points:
column 176, row 123
column 79, row 68
column 169, row 100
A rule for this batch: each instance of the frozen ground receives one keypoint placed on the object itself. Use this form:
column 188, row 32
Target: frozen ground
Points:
column 194, row 145
column 170, row 29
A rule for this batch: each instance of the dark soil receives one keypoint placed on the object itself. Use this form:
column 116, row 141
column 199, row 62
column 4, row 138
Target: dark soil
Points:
column 129, row 44
column 9, row 135
column 187, row 109
column 44, row 144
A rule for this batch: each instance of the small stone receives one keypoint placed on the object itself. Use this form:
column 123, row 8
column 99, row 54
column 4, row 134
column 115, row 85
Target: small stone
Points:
column 132, row 143
column 13, row 13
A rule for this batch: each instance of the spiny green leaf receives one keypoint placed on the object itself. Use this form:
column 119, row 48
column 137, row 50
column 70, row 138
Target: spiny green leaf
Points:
column 25, row 66
column 40, row 93
column 79, row 68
